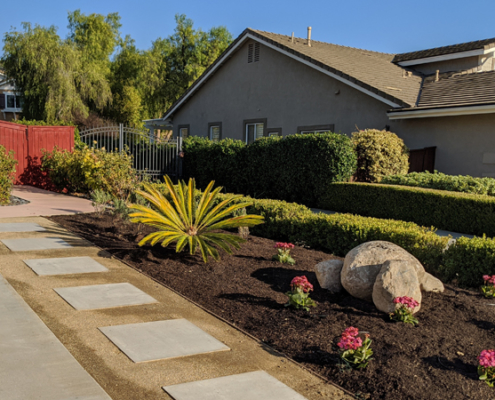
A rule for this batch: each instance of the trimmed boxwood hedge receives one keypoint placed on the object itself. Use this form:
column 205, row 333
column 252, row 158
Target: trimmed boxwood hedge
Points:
column 465, row 261
column 453, row 211
column 295, row 168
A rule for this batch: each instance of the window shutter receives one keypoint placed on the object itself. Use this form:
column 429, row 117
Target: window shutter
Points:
column 250, row 53
column 2, row 101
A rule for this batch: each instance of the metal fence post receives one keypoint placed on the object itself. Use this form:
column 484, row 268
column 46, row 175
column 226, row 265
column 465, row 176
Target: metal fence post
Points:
column 121, row 137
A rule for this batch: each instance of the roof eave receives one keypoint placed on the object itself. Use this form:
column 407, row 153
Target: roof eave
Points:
column 447, row 111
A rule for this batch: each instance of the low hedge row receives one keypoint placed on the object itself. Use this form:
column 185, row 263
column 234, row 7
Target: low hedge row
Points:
column 453, row 211
column 294, row 168
column 437, row 180
column 339, row 233
column 7, row 174
column 465, row 262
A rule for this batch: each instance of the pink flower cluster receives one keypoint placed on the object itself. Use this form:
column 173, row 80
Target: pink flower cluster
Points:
column 302, row 283
column 489, row 279
column 409, row 302
column 284, row 246
column 350, row 339
column 487, row 358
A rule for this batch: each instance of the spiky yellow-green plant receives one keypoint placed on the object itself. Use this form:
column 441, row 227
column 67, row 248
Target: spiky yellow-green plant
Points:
column 189, row 222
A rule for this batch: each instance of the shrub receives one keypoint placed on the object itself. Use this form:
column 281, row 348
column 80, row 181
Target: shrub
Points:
column 340, row 233
column 457, row 212
column 86, row 169
column 7, row 174
column 468, row 259
column 186, row 221
column 437, row 180
column 295, row 168
column 379, row 153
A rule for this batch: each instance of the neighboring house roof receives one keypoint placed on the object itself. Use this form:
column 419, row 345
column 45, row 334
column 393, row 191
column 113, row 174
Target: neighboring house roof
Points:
column 458, row 89
column 440, row 51
column 368, row 71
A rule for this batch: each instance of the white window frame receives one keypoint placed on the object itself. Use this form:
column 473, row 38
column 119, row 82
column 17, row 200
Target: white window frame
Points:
column 7, row 108
column 255, row 130
column 211, row 127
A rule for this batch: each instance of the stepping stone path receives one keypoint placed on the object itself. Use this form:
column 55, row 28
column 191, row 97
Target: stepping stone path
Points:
column 64, row 265
column 162, row 339
column 256, row 385
column 32, row 244
column 33, row 362
column 29, row 349
column 111, row 295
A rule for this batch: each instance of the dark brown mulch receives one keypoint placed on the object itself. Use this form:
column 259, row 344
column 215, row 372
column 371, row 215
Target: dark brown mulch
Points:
column 434, row 361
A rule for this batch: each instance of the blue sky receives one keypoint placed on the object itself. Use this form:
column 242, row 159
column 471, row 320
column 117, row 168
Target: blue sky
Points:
column 380, row 25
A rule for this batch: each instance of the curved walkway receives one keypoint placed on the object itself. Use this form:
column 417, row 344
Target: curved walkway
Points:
column 44, row 203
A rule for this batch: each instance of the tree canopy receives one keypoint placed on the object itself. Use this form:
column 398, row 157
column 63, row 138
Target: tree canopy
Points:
column 96, row 71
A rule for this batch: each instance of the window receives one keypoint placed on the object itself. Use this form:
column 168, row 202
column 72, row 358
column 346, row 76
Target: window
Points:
column 183, row 131
column 215, row 131
column 316, row 128
column 254, row 129
column 274, row 132
column 12, row 101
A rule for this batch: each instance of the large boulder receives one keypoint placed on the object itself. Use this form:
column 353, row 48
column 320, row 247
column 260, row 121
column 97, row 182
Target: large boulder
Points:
column 328, row 275
column 431, row 284
column 396, row 278
column 363, row 263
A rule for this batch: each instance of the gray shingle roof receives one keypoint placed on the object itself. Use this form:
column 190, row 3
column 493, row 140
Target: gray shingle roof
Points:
column 458, row 90
column 440, row 51
column 369, row 69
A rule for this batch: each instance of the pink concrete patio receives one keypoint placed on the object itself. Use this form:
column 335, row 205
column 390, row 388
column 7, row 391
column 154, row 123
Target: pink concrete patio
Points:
column 44, row 203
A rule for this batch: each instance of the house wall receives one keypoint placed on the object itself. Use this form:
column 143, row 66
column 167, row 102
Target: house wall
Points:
column 290, row 94
column 465, row 144
column 286, row 92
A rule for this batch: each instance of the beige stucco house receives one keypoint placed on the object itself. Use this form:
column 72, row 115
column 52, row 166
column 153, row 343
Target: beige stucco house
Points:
column 440, row 101
column 10, row 101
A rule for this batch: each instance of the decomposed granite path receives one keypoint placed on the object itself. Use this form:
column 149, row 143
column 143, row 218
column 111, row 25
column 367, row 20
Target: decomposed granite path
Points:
column 127, row 336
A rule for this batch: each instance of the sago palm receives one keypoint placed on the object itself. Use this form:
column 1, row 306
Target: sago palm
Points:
column 189, row 222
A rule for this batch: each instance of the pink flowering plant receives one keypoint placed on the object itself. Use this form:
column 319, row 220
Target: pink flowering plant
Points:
column 299, row 294
column 354, row 351
column 488, row 289
column 404, row 307
column 486, row 369
column 283, row 253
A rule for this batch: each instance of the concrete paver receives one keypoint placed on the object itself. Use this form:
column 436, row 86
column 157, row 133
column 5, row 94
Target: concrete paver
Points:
column 64, row 265
column 33, row 362
column 20, row 227
column 32, row 244
column 111, row 295
column 158, row 340
column 256, row 385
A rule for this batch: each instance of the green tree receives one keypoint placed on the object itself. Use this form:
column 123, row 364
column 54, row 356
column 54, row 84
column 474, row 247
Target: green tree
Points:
column 50, row 74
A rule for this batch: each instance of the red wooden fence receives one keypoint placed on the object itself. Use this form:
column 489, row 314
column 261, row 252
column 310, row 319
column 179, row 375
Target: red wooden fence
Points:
column 27, row 143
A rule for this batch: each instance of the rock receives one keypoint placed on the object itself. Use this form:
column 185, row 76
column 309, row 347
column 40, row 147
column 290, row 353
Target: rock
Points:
column 431, row 284
column 328, row 275
column 363, row 263
column 396, row 278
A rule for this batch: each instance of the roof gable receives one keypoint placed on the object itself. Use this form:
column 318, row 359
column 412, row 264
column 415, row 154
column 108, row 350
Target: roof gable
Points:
column 370, row 72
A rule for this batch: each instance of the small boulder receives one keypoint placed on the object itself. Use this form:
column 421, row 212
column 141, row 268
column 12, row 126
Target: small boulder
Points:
column 328, row 275
column 431, row 284
column 396, row 278
column 363, row 263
